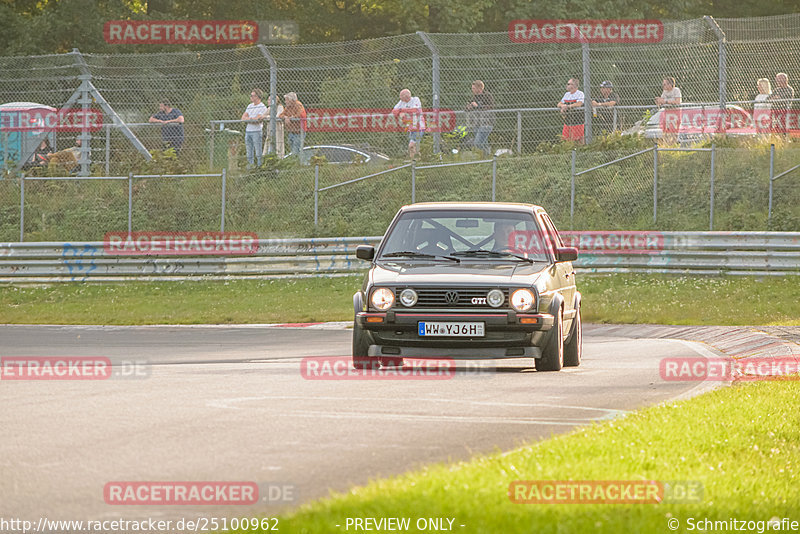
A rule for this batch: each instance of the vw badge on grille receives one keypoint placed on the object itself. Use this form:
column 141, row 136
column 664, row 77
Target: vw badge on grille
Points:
column 451, row 297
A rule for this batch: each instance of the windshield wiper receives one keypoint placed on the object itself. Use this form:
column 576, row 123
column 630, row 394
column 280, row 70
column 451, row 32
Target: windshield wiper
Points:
column 492, row 253
column 413, row 254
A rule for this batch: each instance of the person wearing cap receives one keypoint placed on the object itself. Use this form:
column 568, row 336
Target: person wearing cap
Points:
column 602, row 106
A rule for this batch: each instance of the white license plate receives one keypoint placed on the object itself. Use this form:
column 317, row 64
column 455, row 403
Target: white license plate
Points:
column 451, row 329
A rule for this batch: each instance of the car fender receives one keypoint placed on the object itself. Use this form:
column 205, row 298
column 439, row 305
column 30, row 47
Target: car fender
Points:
column 358, row 302
column 555, row 304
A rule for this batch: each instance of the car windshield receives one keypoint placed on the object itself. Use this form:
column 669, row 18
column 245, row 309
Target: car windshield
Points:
column 469, row 235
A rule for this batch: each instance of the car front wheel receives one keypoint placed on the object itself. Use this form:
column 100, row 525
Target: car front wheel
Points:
column 553, row 352
column 361, row 358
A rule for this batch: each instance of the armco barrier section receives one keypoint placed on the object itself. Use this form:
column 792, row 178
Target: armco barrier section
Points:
column 707, row 253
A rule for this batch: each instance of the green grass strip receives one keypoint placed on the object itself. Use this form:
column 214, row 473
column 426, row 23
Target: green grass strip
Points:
column 741, row 443
column 606, row 299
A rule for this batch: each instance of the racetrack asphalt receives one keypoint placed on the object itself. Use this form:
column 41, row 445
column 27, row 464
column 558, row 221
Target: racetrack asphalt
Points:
column 230, row 403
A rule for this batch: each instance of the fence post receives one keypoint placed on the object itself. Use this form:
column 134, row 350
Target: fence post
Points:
column 85, row 101
column 723, row 74
column 273, row 90
column 22, row 208
column 587, row 91
column 316, row 194
column 435, row 76
column 413, row 181
column 614, row 127
column 108, row 147
column 572, row 193
column 211, row 149
column 771, row 174
column 130, row 204
column 711, row 199
column 494, row 176
column 519, row 132
column 655, row 183
column 224, row 188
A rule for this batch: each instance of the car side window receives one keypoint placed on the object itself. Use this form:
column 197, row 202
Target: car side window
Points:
column 551, row 227
column 553, row 239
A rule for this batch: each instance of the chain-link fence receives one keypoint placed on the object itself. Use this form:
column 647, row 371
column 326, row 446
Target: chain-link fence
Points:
column 714, row 61
column 690, row 189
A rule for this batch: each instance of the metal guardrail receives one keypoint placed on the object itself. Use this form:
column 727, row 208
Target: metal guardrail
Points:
column 707, row 253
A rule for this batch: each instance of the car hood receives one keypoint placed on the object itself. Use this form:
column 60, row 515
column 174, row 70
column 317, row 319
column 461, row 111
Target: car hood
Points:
column 466, row 273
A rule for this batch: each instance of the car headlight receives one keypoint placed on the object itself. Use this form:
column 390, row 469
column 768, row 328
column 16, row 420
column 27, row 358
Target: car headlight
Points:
column 408, row 297
column 522, row 300
column 495, row 298
column 382, row 298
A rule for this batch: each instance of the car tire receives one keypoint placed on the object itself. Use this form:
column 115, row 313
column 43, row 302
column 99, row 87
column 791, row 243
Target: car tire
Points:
column 391, row 362
column 553, row 352
column 573, row 350
column 361, row 358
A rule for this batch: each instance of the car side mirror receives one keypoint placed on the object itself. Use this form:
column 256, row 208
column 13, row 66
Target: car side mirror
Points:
column 566, row 254
column 367, row 252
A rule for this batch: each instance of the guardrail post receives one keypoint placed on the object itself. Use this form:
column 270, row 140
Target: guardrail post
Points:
column 771, row 175
column 22, row 208
column 519, row 132
column 316, row 194
column 224, row 185
column 572, row 193
column 494, row 176
column 655, row 183
column 711, row 199
column 413, row 181
column 211, row 149
column 130, row 203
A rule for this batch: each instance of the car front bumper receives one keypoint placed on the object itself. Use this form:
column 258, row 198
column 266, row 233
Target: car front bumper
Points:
column 507, row 334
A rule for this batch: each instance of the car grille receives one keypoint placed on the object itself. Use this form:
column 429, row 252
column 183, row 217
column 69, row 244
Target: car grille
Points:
column 443, row 297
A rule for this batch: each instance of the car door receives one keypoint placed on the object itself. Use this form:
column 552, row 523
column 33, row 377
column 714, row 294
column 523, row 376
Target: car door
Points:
column 563, row 272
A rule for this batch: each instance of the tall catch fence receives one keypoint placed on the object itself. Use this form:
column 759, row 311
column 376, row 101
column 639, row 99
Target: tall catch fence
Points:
column 715, row 61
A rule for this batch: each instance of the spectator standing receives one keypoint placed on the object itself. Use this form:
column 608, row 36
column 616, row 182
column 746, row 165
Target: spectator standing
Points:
column 280, row 149
column 670, row 95
column 409, row 111
column 571, row 106
column 294, row 116
column 254, row 116
column 480, row 117
column 603, row 106
column 172, row 119
column 781, row 103
column 761, row 108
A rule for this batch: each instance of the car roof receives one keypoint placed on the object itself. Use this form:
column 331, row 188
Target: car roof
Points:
column 493, row 206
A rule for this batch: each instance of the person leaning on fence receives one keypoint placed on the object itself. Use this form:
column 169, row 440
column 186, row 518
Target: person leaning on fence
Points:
column 571, row 106
column 781, row 103
column 254, row 116
column 761, row 108
column 408, row 111
column 280, row 149
column 603, row 106
column 480, row 117
column 294, row 116
column 172, row 129
column 670, row 95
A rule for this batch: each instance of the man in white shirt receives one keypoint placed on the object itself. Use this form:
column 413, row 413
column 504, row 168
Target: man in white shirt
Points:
column 254, row 116
column 409, row 112
column 571, row 106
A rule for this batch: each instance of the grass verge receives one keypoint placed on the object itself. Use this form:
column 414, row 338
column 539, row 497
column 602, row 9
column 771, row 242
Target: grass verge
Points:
column 743, row 454
column 606, row 299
